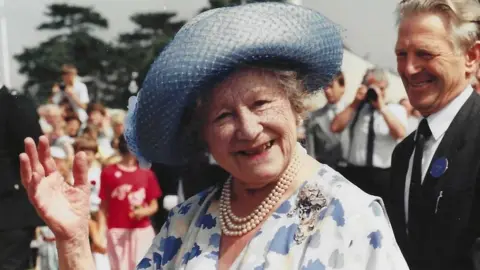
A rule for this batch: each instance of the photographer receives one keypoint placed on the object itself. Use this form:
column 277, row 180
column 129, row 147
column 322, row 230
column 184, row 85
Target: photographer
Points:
column 73, row 90
column 375, row 127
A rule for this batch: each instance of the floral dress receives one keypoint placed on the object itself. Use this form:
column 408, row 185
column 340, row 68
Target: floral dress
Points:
column 328, row 223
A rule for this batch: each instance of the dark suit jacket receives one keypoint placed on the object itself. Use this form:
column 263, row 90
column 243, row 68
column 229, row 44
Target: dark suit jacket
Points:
column 18, row 120
column 448, row 235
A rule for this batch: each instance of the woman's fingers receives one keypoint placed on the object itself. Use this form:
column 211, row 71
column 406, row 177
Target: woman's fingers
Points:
column 36, row 179
column 31, row 150
column 80, row 169
column 33, row 187
column 25, row 170
column 44, row 155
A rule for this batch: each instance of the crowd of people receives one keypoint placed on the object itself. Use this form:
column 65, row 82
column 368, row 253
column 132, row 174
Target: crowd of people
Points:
column 241, row 173
column 123, row 196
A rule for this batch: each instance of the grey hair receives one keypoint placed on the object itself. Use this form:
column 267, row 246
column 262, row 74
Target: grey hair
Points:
column 463, row 17
column 379, row 74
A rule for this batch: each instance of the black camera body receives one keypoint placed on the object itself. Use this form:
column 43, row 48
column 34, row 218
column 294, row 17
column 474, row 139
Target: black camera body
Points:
column 62, row 87
column 371, row 95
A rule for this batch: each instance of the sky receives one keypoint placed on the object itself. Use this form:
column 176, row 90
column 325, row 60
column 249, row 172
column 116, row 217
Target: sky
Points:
column 369, row 28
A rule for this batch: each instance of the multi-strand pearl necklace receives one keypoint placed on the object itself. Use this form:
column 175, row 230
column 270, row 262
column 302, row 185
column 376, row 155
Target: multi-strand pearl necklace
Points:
column 233, row 225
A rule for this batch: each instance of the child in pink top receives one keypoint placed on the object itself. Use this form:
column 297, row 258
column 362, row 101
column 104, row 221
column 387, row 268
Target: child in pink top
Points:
column 129, row 197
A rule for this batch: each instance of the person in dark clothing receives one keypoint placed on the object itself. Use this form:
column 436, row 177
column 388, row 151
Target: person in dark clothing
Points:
column 434, row 198
column 18, row 120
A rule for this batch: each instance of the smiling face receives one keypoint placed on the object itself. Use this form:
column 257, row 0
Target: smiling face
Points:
column 251, row 127
column 432, row 70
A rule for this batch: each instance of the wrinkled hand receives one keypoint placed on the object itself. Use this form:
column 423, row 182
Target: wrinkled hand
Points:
column 63, row 207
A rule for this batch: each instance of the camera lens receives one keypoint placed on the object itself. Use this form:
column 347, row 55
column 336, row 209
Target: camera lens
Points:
column 371, row 95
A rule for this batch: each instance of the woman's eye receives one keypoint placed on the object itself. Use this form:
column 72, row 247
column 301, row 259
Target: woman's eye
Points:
column 222, row 116
column 260, row 103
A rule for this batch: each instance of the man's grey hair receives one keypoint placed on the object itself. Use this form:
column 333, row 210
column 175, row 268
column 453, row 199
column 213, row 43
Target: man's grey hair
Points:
column 463, row 17
column 379, row 74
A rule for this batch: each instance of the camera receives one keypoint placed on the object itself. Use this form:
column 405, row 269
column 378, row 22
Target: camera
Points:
column 371, row 95
column 62, row 87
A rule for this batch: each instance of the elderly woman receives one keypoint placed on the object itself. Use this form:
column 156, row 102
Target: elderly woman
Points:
column 232, row 83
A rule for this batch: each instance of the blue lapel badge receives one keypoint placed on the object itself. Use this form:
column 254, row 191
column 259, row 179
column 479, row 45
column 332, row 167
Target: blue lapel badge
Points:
column 439, row 167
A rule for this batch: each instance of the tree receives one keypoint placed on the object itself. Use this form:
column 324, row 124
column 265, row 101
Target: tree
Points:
column 226, row 3
column 73, row 18
column 73, row 43
column 137, row 50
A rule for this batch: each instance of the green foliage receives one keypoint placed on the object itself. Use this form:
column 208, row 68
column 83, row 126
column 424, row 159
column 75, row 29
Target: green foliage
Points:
column 73, row 18
column 227, row 3
column 106, row 66
column 72, row 43
column 152, row 33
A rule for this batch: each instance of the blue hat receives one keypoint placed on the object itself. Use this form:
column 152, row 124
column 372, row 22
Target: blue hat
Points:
column 210, row 47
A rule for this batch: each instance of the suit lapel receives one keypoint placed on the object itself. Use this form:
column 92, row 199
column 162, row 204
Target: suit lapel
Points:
column 396, row 202
column 401, row 168
column 452, row 142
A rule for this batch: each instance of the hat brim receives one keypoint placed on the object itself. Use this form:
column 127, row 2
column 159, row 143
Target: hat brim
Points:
column 209, row 48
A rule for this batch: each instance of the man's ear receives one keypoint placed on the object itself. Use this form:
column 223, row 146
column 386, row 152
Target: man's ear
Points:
column 472, row 58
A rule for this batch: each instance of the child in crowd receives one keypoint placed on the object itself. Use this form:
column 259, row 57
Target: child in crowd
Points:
column 97, row 236
column 129, row 197
column 118, row 126
column 47, row 249
column 73, row 125
column 98, row 117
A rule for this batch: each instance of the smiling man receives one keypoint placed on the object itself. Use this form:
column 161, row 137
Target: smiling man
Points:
column 434, row 201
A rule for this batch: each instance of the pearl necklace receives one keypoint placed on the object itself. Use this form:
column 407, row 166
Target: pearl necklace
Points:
column 233, row 225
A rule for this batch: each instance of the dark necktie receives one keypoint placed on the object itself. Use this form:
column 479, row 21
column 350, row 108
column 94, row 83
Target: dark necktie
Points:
column 423, row 134
column 415, row 205
column 370, row 137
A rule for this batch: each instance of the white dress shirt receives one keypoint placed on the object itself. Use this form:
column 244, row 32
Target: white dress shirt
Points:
column 384, row 142
column 438, row 123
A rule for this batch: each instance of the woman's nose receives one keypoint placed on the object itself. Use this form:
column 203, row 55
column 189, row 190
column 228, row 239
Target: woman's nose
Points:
column 249, row 126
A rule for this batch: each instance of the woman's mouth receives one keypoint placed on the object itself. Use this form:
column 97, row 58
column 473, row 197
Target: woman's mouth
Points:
column 257, row 150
